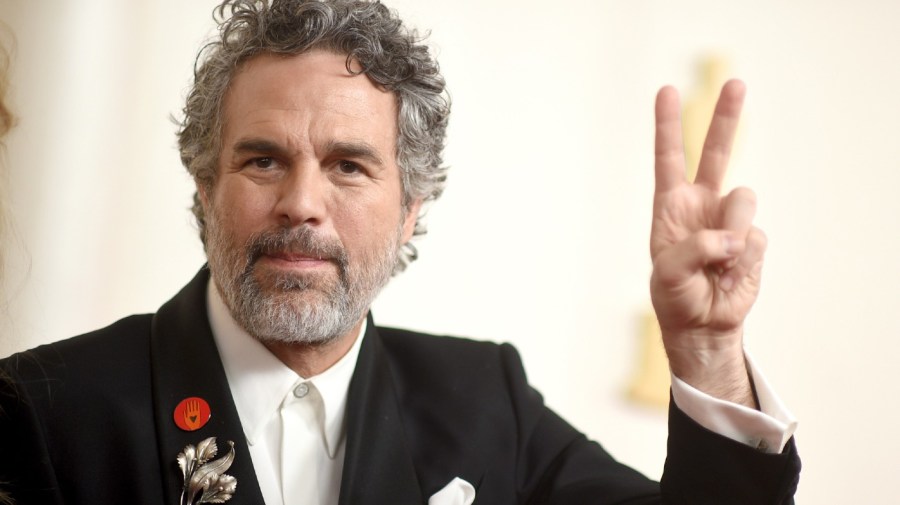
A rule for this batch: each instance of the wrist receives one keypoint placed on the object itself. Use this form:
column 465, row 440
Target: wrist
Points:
column 714, row 365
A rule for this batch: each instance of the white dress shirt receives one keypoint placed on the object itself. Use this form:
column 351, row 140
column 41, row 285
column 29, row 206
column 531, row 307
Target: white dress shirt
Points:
column 295, row 426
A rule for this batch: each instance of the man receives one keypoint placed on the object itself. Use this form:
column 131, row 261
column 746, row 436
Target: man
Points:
column 314, row 132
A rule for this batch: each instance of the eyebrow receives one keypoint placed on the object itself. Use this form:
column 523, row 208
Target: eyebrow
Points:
column 259, row 145
column 354, row 149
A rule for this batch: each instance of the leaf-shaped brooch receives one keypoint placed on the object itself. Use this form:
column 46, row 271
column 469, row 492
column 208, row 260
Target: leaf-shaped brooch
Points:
column 205, row 480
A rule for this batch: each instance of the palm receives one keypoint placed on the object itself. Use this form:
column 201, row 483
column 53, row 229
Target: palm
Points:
column 695, row 300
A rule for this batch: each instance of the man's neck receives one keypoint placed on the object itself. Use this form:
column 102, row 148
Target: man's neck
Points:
column 309, row 360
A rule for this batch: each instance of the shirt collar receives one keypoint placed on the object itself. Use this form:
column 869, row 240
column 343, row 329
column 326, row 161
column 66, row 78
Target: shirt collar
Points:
column 259, row 381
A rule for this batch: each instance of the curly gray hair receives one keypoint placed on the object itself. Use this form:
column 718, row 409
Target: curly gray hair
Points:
column 370, row 34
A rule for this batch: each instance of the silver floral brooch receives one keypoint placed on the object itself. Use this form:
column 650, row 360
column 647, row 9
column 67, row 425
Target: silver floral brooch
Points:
column 205, row 480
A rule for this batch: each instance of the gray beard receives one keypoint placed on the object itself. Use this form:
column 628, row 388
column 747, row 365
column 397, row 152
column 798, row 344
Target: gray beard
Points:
column 292, row 308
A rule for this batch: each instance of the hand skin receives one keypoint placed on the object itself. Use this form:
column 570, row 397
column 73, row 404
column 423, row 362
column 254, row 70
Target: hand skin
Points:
column 707, row 255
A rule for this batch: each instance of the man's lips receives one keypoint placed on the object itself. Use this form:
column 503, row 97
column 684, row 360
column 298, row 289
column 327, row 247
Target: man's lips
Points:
column 295, row 260
column 286, row 256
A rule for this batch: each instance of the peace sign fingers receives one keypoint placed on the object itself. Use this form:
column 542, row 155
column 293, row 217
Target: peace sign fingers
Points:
column 720, row 137
column 669, row 143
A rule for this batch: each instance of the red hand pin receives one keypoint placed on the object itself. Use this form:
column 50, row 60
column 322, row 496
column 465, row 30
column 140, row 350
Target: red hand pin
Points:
column 192, row 413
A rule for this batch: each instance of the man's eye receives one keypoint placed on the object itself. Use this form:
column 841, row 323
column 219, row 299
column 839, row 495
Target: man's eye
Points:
column 348, row 167
column 263, row 163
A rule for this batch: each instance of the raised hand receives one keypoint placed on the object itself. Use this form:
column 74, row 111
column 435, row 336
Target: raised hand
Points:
column 192, row 415
column 707, row 255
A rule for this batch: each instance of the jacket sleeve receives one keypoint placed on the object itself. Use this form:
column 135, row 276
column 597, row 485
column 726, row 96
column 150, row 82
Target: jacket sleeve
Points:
column 559, row 465
column 703, row 467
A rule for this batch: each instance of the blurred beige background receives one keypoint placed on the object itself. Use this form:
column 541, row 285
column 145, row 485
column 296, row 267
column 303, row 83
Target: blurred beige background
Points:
column 541, row 237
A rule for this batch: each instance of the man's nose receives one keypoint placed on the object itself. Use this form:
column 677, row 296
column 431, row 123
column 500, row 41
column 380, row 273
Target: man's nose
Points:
column 302, row 197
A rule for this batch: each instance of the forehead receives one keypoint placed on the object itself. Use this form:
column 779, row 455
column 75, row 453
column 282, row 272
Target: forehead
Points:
column 310, row 94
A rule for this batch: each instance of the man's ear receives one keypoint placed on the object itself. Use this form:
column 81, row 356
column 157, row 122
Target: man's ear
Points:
column 409, row 222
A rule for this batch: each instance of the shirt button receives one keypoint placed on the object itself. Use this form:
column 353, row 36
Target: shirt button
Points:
column 301, row 390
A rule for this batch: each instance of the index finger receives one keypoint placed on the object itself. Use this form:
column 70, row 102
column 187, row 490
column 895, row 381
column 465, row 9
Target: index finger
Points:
column 669, row 143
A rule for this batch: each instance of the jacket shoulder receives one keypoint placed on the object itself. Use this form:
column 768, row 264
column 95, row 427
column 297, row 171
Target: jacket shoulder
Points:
column 99, row 359
column 81, row 407
column 446, row 357
column 426, row 342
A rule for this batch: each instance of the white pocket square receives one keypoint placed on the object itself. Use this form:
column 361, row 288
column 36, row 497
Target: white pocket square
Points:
column 457, row 492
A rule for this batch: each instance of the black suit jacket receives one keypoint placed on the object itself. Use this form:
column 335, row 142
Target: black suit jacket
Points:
column 89, row 420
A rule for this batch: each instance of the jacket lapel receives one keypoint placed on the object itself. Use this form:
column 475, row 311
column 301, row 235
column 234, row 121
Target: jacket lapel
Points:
column 378, row 467
column 184, row 363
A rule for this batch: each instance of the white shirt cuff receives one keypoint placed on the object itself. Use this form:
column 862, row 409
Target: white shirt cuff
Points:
column 767, row 429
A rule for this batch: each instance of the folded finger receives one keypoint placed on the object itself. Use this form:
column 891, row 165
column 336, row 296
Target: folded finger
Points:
column 738, row 210
column 748, row 262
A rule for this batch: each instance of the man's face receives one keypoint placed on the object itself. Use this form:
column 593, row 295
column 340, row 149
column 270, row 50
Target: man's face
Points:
column 305, row 218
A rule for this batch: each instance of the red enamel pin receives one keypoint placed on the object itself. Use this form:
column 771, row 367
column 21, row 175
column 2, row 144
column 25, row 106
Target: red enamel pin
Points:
column 192, row 413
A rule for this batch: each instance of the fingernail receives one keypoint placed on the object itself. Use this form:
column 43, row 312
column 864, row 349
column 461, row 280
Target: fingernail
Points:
column 726, row 282
column 728, row 244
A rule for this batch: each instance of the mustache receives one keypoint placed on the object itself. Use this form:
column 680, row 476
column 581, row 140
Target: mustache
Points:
column 302, row 240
